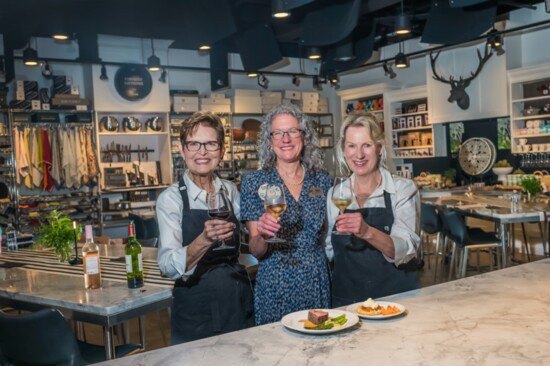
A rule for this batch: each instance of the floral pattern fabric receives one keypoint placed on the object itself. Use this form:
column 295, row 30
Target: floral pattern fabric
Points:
column 292, row 276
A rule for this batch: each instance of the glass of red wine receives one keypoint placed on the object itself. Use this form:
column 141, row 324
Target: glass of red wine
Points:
column 219, row 208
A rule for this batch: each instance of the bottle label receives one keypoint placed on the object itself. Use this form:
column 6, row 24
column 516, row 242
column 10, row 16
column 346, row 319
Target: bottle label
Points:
column 140, row 262
column 91, row 264
column 129, row 267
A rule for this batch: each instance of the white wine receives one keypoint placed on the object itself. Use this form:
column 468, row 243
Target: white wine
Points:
column 342, row 204
column 276, row 210
column 134, row 261
column 90, row 261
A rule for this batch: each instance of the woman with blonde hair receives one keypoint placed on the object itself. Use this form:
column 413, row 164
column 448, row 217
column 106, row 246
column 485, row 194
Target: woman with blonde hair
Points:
column 378, row 258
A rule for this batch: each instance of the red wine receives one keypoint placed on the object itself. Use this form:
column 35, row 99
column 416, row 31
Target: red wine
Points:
column 222, row 215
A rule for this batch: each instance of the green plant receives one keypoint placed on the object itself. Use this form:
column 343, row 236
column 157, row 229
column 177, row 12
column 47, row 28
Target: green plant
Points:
column 450, row 174
column 531, row 185
column 58, row 234
column 502, row 164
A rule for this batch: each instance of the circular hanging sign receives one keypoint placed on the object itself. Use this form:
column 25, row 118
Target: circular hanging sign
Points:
column 133, row 82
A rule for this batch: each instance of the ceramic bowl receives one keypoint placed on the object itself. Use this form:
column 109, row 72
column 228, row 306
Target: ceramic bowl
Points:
column 503, row 170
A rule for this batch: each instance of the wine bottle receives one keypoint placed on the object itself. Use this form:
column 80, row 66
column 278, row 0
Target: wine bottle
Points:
column 134, row 262
column 90, row 260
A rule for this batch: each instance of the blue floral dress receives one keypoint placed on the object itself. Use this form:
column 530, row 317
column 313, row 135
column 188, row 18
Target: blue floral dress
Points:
column 292, row 276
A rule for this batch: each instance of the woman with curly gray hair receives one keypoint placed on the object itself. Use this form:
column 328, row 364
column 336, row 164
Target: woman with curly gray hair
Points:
column 292, row 275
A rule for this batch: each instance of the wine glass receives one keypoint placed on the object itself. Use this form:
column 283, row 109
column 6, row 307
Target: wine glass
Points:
column 219, row 208
column 341, row 196
column 275, row 205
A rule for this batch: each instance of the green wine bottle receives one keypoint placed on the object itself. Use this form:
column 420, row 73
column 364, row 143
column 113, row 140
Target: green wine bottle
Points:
column 134, row 263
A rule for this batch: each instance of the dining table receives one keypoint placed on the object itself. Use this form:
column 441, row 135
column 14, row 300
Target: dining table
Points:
column 495, row 318
column 32, row 279
column 502, row 211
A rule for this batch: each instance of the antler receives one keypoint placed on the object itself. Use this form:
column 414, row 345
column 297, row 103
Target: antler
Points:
column 435, row 75
column 482, row 61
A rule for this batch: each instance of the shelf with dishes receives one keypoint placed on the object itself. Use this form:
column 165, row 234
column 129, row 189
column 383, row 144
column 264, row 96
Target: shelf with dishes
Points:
column 529, row 90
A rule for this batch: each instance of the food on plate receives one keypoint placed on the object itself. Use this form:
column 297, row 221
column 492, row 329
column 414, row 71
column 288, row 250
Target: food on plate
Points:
column 327, row 323
column 317, row 316
column 371, row 307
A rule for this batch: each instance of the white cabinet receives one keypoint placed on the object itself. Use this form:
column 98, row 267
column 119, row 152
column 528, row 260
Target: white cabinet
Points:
column 530, row 109
column 413, row 135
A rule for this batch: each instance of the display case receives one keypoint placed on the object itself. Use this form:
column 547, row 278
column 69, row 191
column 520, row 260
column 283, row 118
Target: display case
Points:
column 412, row 134
column 530, row 110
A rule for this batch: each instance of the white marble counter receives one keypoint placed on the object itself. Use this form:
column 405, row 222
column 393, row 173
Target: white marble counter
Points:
column 497, row 318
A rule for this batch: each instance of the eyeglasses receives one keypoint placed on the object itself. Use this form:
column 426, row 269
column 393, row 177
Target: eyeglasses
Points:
column 292, row 133
column 196, row 146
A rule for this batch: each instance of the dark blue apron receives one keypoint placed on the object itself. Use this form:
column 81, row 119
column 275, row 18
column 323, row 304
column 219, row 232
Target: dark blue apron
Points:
column 217, row 298
column 360, row 270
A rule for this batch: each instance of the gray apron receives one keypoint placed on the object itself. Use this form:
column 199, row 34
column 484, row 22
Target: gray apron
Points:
column 360, row 270
column 217, row 298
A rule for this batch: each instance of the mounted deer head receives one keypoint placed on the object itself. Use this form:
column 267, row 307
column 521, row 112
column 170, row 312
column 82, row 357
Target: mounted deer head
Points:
column 458, row 87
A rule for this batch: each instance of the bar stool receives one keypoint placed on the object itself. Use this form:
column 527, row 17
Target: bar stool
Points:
column 467, row 239
column 430, row 224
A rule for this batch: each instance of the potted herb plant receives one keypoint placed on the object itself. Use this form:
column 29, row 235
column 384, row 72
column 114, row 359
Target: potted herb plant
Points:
column 450, row 176
column 58, row 234
column 532, row 186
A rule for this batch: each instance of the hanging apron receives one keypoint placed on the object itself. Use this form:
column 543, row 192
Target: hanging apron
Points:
column 360, row 270
column 217, row 298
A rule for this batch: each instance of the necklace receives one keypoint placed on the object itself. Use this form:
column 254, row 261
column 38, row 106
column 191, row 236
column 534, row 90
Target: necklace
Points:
column 301, row 181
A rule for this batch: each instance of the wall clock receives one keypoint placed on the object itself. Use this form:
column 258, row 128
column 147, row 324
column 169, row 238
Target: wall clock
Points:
column 477, row 155
column 133, row 83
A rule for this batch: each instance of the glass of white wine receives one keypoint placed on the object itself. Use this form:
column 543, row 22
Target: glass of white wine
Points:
column 219, row 208
column 341, row 196
column 275, row 205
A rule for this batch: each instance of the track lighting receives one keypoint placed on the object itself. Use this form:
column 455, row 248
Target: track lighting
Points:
column 401, row 61
column 388, row 71
column 499, row 50
column 318, row 81
column 103, row 75
column 334, row 81
column 279, row 9
column 153, row 62
column 263, row 81
column 162, row 77
column 30, row 56
column 296, row 80
column 494, row 39
column 47, row 70
column 314, row 53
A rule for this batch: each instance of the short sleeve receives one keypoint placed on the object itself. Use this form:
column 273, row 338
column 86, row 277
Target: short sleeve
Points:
column 252, row 206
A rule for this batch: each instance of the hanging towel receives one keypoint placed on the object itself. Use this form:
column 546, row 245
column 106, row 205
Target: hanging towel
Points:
column 23, row 161
column 17, row 145
column 83, row 164
column 76, row 160
column 90, row 153
column 27, row 151
column 46, row 160
column 36, row 160
column 67, row 158
column 56, row 158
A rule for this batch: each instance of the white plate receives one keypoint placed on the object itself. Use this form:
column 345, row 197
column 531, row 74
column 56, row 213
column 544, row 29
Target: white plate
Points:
column 353, row 309
column 292, row 321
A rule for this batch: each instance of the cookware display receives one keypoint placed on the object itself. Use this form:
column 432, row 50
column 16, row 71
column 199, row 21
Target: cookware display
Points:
column 131, row 124
column 109, row 124
column 154, row 124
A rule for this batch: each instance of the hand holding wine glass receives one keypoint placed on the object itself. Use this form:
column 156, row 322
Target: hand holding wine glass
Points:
column 219, row 208
column 275, row 205
column 342, row 196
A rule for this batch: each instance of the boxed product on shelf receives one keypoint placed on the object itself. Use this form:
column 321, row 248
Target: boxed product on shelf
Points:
column 247, row 101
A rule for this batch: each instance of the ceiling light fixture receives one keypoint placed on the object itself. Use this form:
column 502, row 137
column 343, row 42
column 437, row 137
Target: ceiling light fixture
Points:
column 402, row 23
column 103, row 75
column 296, row 80
column 334, row 81
column 252, row 74
column 388, row 71
column 401, row 61
column 153, row 62
column 60, row 35
column 499, row 50
column 263, row 81
column 204, row 47
column 314, row 53
column 494, row 39
column 162, row 77
column 344, row 52
column 30, row 56
column 279, row 9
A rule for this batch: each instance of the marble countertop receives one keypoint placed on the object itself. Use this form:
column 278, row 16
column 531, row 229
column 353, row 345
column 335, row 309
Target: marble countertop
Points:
column 497, row 318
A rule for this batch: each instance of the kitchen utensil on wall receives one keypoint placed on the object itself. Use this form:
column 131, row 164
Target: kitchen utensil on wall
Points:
column 131, row 124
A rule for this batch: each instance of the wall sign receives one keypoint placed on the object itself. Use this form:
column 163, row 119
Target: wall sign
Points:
column 133, row 82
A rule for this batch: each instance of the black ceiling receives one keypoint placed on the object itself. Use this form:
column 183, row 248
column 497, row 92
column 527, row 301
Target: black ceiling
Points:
column 235, row 23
